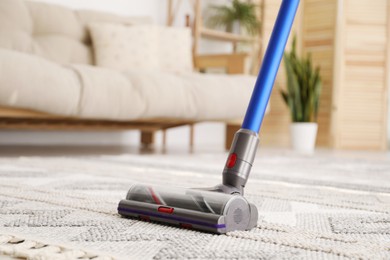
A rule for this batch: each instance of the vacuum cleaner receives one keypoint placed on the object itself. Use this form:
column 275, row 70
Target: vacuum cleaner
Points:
column 222, row 208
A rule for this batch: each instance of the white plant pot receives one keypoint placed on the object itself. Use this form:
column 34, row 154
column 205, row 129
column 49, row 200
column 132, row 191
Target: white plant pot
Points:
column 236, row 27
column 303, row 137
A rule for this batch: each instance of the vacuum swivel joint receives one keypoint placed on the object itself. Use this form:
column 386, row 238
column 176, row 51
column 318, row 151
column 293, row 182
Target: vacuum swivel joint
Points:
column 240, row 160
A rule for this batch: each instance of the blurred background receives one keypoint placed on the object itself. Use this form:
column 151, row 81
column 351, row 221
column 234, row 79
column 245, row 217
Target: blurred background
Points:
column 342, row 47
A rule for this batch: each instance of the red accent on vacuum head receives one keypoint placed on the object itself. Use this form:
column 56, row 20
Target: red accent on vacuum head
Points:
column 166, row 210
column 232, row 160
column 154, row 196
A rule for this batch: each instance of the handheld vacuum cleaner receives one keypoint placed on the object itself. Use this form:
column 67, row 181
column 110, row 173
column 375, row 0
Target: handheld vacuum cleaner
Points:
column 222, row 208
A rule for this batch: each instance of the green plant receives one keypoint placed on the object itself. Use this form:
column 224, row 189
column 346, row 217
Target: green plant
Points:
column 243, row 12
column 303, row 86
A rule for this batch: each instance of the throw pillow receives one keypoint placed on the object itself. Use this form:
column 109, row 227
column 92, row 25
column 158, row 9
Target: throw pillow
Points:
column 142, row 47
column 175, row 49
column 125, row 47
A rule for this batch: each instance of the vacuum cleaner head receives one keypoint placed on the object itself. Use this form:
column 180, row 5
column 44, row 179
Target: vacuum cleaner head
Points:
column 189, row 208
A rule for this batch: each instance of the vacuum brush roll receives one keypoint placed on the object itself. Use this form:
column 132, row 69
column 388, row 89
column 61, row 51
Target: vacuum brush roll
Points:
column 189, row 208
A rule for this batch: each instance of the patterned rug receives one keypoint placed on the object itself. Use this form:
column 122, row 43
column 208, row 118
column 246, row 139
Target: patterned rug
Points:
column 320, row 207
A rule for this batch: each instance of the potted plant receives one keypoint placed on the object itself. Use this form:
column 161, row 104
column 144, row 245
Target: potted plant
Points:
column 302, row 98
column 239, row 14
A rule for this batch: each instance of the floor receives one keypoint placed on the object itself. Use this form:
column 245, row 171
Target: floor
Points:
column 332, row 195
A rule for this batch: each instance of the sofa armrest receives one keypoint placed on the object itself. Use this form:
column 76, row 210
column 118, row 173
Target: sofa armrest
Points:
column 233, row 63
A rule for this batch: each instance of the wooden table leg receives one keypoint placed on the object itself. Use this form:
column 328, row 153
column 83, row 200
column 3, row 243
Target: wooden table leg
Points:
column 147, row 138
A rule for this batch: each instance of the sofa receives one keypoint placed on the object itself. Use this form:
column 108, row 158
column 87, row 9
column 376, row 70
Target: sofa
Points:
column 52, row 75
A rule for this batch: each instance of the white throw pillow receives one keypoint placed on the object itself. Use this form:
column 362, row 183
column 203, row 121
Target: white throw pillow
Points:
column 142, row 47
column 175, row 49
column 125, row 47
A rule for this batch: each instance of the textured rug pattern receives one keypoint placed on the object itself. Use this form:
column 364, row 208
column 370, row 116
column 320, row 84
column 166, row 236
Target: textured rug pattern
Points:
column 339, row 210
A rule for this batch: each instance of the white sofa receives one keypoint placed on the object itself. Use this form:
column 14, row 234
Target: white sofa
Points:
column 47, row 64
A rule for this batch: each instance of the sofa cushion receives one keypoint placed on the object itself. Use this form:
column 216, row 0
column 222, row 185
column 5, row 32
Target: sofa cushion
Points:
column 50, row 31
column 193, row 96
column 16, row 40
column 142, row 47
column 108, row 94
column 165, row 94
column 31, row 82
column 220, row 96
column 125, row 47
column 15, row 16
column 54, row 19
column 28, row 81
column 62, row 49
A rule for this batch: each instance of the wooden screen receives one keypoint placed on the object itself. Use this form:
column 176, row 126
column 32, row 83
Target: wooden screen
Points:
column 361, row 87
column 350, row 41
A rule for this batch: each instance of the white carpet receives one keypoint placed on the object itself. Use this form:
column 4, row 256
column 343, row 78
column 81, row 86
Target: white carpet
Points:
column 310, row 207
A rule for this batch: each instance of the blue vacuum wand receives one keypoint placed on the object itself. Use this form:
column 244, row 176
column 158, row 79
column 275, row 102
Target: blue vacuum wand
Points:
column 245, row 142
column 222, row 208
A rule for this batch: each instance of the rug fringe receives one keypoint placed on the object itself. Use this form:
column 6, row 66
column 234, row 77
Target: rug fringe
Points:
column 15, row 246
